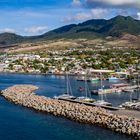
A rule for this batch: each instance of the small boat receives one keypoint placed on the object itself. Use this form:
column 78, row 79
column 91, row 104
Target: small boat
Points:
column 85, row 99
column 134, row 105
column 131, row 103
column 118, row 91
column 64, row 96
column 102, row 103
column 80, row 78
column 68, row 93
column 127, row 104
column 94, row 92
column 81, row 89
column 128, row 90
column 112, row 78
column 93, row 80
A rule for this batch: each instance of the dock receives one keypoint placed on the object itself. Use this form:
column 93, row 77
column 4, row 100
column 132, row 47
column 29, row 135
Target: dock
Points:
column 90, row 104
column 115, row 90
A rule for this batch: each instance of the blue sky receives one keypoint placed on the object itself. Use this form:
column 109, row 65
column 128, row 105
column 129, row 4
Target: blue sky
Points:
column 33, row 17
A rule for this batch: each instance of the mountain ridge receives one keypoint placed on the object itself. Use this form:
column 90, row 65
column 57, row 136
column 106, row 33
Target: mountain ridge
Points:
column 90, row 29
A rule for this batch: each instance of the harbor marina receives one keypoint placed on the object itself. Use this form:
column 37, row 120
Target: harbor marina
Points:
column 50, row 85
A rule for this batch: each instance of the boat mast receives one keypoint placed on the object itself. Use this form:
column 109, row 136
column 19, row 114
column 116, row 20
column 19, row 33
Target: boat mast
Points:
column 67, row 84
column 138, row 90
column 86, row 92
column 131, row 91
column 69, row 87
column 101, row 86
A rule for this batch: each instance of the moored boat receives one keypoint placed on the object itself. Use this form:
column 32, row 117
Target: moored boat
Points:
column 94, row 92
column 85, row 99
column 80, row 78
column 128, row 90
column 93, row 80
column 102, row 103
column 64, row 96
column 112, row 78
column 68, row 93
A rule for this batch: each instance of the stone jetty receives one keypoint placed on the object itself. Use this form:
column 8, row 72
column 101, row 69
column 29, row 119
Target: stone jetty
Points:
column 24, row 95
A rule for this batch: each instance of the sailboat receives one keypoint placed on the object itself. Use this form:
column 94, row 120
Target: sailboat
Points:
column 138, row 88
column 68, row 93
column 129, row 103
column 101, row 101
column 132, row 103
column 85, row 98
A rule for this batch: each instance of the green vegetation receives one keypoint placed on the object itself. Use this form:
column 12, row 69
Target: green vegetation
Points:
column 96, row 28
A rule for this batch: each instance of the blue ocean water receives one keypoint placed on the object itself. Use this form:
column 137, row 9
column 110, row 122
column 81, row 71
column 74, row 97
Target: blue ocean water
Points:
column 19, row 123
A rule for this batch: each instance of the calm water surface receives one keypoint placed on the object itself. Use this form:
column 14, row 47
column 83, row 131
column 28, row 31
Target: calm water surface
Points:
column 18, row 123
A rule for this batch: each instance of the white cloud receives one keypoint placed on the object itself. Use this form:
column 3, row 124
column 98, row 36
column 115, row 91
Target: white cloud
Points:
column 138, row 15
column 82, row 16
column 98, row 13
column 76, row 3
column 119, row 2
column 93, row 13
column 36, row 29
column 7, row 30
column 77, row 17
column 127, row 3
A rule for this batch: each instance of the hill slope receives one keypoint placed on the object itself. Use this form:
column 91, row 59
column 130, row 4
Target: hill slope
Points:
column 98, row 28
column 90, row 29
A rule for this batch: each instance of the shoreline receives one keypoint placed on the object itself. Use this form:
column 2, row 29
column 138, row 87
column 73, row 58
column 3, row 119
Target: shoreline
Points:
column 23, row 95
column 43, row 74
column 50, row 74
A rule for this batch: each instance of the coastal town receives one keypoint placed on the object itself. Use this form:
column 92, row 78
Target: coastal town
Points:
column 73, row 60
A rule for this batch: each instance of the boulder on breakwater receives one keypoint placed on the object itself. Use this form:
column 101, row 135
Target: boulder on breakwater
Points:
column 23, row 95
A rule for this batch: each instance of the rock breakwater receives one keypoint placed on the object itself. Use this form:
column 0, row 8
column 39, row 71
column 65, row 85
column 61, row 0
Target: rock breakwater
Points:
column 23, row 95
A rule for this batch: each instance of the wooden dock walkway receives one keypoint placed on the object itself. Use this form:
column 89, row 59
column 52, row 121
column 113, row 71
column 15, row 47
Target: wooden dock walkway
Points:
column 90, row 104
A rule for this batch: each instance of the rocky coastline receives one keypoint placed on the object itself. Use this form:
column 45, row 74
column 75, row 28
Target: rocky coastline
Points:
column 24, row 95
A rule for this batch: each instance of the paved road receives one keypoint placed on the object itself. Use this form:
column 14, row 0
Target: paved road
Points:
column 129, row 113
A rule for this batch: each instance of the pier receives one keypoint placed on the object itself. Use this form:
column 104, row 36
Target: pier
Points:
column 114, row 90
column 90, row 104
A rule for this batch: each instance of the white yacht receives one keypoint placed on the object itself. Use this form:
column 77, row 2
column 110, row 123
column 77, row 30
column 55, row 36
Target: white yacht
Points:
column 85, row 98
column 101, row 102
column 64, row 96
column 68, row 94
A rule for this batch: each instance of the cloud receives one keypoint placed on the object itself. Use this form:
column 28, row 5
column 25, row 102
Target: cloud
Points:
column 98, row 13
column 76, row 3
column 36, row 29
column 123, row 12
column 114, row 3
column 77, row 17
column 138, row 15
column 7, row 30
column 93, row 13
